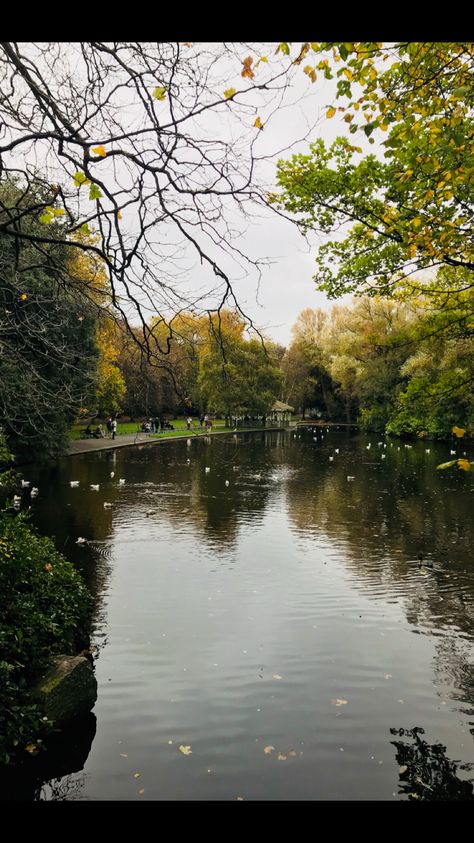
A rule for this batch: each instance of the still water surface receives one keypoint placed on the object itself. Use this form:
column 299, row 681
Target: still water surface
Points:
column 279, row 626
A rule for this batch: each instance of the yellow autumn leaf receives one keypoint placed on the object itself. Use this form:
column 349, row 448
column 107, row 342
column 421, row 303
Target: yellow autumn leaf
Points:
column 230, row 93
column 281, row 757
column 417, row 222
column 310, row 71
column 23, row 297
column 99, row 150
column 119, row 215
column 258, row 123
column 339, row 702
column 136, row 775
column 159, row 93
column 186, row 750
column 268, row 750
column 330, row 112
column 465, row 465
column 458, row 431
column 277, row 676
column 48, row 567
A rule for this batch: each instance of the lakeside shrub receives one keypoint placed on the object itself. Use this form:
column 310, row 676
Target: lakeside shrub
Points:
column 45, row 609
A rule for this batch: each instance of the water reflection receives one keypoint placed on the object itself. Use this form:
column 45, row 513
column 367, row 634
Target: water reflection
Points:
column 53, row 775
column 426, row 773
column 210, row 584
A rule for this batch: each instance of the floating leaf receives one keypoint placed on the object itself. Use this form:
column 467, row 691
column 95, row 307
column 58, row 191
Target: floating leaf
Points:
column 281, row 757
column 247, row 68
column 124, row 755
column 159, row 94
column 258, row 123
column 141, row 791
column 80, row 178
column 268, row 750
column 458, row 431
column 136, row 775
column 277, row 676
column 230, row 93
column 339, row 702
column 330, row 112
column 465, row 465
column 95, row 192
column 186, row 750
column 292, row 753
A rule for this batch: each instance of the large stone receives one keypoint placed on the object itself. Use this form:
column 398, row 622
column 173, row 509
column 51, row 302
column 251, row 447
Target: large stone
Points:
column 67, row 689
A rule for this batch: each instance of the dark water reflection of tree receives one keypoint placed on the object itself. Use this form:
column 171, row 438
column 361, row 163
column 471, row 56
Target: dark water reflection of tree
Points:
column 425, row 771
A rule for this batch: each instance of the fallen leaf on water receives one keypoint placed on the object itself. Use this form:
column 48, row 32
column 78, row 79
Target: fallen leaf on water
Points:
column 281, row 757
column 388, row 676
column 240, row 798
column 402, row 769
column 124, row 755
column 141, row 792
column 136, row 775
column 186, row 750
column 268, row 750
column 339, row 702
column 277, row 676
column 292, row 753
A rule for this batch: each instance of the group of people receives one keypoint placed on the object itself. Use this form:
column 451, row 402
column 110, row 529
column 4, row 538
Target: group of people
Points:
column 99, row 432
column 156, row 425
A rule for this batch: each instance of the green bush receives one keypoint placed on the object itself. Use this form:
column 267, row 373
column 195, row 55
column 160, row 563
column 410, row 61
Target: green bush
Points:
column 45, row 609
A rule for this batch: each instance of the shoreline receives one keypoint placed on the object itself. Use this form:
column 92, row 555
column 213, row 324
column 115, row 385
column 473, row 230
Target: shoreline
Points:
column 85, row 446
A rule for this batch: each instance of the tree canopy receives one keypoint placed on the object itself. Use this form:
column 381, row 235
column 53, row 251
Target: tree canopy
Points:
column 411, row 208
column 153, row 147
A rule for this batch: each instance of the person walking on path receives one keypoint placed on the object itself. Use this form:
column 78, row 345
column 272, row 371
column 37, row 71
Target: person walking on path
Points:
column 114, row 428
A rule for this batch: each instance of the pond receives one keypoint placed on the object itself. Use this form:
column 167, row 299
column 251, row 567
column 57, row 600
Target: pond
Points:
column 263, row 628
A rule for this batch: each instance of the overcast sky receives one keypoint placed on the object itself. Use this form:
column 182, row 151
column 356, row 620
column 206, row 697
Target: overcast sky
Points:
column 287, row 286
